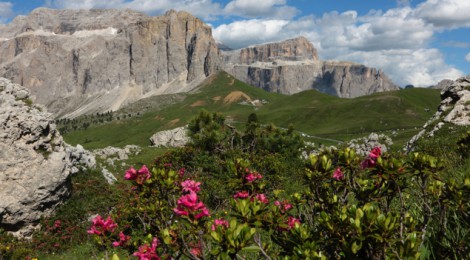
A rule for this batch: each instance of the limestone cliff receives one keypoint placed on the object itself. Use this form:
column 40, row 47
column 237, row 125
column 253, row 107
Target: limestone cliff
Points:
column 293, row 66
column 86, row 61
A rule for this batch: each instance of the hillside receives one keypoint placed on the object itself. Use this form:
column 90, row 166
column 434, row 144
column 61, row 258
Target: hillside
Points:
column 311, row 112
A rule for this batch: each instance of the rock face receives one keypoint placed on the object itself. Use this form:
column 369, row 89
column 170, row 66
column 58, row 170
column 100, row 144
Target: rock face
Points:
column 454, row 109
column 170, row 138
column 293, row 66
column 84, row 61
column 34, row 166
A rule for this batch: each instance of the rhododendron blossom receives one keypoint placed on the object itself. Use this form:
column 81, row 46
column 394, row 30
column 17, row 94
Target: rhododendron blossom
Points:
column 338, row 174
column 241, row 195
column 375, row 153
column 140, row 176
column 262, row 198
column 191, row 186
column 284, row 206
column 122, row 240
column 291, row 221
column 371, row 160
column 147, row 252
column 219, row 222
column 190, row 204
column 252, row 176
column 101, row 226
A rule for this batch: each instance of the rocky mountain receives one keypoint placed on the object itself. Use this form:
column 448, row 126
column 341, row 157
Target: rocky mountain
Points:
column 453, row 109
column 293, row 66
column 34, row 163
column 85, row 61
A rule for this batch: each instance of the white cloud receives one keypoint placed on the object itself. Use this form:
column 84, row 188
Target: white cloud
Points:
column 395, row 41
column 467, row 57
column 445, row 13
column 6, row 11
column 421, row 67
column 265, row 8
column 243, row 33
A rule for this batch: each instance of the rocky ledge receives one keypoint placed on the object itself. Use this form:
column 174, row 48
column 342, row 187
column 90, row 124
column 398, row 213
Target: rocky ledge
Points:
column 34, row 164
column 453, row 109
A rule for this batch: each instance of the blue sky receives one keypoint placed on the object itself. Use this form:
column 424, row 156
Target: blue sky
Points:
column 417, row 42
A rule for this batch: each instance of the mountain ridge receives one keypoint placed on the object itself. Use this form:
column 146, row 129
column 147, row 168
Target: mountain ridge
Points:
column 80, row 62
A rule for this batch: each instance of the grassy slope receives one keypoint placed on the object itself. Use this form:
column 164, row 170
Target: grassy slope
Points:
column 311, row 112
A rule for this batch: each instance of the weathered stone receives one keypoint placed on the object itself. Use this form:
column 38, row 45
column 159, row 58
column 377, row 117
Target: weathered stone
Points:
column 454, row 108
column 86, row 61
column 34, row 165
column 170, row 138
column 80, row 158
column 293, row 66
column 364, row 145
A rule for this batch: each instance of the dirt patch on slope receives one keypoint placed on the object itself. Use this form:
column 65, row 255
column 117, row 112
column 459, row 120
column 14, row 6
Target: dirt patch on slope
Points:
column 236, row 96
column 173, row 122
column 198, row 103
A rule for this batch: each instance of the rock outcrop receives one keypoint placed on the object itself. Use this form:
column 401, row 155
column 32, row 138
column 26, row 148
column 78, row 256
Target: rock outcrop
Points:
column 364, row 145
column 453, row 109
column 85, row 61
column 170, row 138
column 293, row 66
column 34, row 166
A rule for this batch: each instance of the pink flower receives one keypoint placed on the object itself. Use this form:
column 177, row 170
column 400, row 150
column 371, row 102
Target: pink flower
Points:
column 371, row 160
column 196, row 251
column 262, row 198
column 147, row 252
column 122, row 240
column 284, row 206
column 375, row 153
column 57, row 224
column 219, row 222
column 291, row 221
column 190, row 203
column 167, row 165
column 140, row 176
column 131, row 174
column 100, row 226
column 190, row 185
column 252, row 176
column 241, row 195
column 338, row 174
column 182, row 171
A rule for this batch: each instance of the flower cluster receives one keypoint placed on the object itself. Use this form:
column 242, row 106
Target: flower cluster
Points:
column 261, row 198
column 147, row 252
column 219, row 223
column 291, row 222
column 123, row 239
column 252, row 176
column 284, row 206
column 189, row 204
column 241, row 195
column 101, row 226
column 139, row 176
column 191, row 186
column 338, row 174
column 371, row 160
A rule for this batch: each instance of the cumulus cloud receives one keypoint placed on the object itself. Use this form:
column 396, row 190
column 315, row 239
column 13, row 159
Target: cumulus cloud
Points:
column 6, row 11
column 420, row 67
column 265, row 8
column 396, row 41
column 445, row 13
column 467, row 57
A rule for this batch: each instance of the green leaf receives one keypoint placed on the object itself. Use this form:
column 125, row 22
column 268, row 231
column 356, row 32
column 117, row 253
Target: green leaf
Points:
column 115, row 257
column 355, row 247
column 251, row 249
